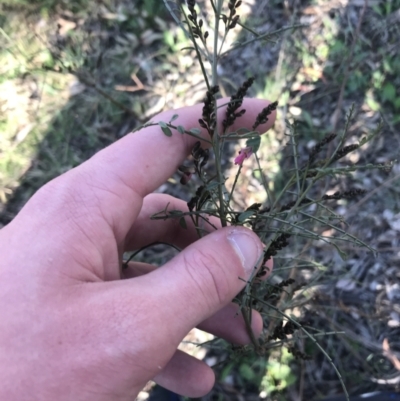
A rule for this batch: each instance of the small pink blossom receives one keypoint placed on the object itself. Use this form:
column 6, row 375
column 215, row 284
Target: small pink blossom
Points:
column 244, row 154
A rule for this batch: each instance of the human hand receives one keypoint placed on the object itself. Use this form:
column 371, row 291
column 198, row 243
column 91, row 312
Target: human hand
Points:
column 70, row 329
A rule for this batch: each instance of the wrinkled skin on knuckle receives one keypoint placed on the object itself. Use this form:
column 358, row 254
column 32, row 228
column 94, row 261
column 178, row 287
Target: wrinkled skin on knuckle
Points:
column 209, row 276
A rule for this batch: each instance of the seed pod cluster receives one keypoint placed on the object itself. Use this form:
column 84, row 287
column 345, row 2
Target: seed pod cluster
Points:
column 319, row 146
column 198, row 23
column 201, row 197
column 208, row 119
column 285, row 283
column 344, row 151
column 200, row 156
column 280, row 243
column 290, row 204
column 262, row 117
column 298, row 354
column 281, row 332
column 262, row 272
column 350, row 194
column 235, row 103
column 232, row 19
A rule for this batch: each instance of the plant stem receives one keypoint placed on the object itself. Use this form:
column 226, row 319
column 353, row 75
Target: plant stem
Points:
column 246, row 312
column 216, row 34
column 216, row 136
column 234, row 184
column 193, row 39
column 312, row 338
column 263, row 36
column 292, row 130
column 264, row 181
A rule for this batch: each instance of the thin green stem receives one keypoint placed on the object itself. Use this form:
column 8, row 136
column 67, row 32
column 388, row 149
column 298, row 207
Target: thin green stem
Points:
column 126, row 262
column 216, row 136
column 264, row 36
column 221, row 184
column 216, row 34
column 179, row 22
column 151, row 124
column 311, row 337
column 246, row 28
column 292, row 129
column 213, row 6
column 355, row 239
column 196, row 47
column 246, row 313
column 264, row 181
column 196, row 224
column 234, row 184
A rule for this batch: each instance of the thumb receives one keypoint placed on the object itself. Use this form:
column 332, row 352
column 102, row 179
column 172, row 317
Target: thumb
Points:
column 202, row 279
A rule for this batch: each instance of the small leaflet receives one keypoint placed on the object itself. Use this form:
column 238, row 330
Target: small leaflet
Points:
column 165, row 129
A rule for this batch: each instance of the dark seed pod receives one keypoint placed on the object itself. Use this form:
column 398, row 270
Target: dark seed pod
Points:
column 196, row 147
column 262, row 117
column 254, row 206
column 206, row 156
column 202, row 123
column 192, row 203
column 344, row 151
column 234, row 22
column 319, row 146
column 235, row 103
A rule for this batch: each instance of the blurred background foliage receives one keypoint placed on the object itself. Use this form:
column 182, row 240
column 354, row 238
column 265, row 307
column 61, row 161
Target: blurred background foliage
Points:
column 77, row 75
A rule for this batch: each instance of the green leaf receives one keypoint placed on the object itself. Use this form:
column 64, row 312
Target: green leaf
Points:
column 166, row 131
column 281, row 372
column 226, row 370
column 389, row 92
column 254, row 143
column 169, row 39
column 245, row 215
column 396, row 120
column 372, row 103
column 182, row 222
column 165, row 128
column 173, row 118
column 246, row 372
column 196, row 131
column 180, row 129
column 175, row 212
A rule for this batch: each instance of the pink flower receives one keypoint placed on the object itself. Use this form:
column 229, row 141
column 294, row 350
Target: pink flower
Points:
column 244, row 154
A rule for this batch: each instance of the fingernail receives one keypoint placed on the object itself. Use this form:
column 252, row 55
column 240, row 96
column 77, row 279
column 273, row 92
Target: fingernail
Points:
column 247, row 248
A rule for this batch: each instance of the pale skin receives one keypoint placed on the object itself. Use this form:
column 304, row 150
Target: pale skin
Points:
column 74, row 326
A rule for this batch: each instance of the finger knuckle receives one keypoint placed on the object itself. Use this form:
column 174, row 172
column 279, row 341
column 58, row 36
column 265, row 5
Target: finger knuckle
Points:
column 207, row 271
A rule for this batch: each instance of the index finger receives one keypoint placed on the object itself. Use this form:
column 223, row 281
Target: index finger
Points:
column 146, row 159
column 116, row 179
